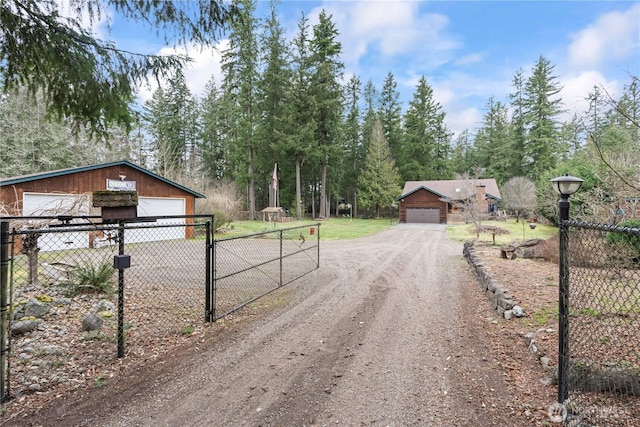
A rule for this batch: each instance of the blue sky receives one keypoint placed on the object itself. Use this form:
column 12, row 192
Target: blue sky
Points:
column 467, row 50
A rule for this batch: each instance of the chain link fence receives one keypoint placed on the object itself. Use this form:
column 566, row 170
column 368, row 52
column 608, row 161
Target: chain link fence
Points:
column 251, row 266
column 602, row 363
column 77, row 294
column 67, row 313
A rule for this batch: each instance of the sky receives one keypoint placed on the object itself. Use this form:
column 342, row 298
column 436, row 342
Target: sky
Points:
column 468, row 51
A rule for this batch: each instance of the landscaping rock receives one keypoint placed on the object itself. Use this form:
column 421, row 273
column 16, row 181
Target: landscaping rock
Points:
column 92, row 322
column 23, row 326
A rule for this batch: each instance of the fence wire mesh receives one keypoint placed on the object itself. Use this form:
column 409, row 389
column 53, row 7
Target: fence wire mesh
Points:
column 249, row 267
column 63, row 298
column 603, row 331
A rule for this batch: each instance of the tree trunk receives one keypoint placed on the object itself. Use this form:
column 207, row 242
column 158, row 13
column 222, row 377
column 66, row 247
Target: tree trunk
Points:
column 323, row 191
column 298, row 190
column 251, row 189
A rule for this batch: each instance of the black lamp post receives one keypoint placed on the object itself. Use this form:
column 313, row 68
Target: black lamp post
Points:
column 565, row 186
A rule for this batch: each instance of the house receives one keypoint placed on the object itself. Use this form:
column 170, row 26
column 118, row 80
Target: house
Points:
column 69, row 192
column 442, row 202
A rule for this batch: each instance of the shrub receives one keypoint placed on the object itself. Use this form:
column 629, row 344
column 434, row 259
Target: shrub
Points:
column 627, row 240
column 88, row 278
column 220, row 218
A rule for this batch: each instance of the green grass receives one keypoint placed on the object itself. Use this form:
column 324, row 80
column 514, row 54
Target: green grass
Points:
column 330, row 229
column 516, row 230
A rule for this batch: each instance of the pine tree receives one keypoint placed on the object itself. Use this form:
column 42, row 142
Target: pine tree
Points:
column 240, row 68
column 353, row 152
column 328, row 96
column 542, row 107
column 213, row 150
column 378, row 185
column 493, row 142
column 424, row 153
column 518, row 124
column 390, row 112
column 272, row 92
column 87, row 80
column 300, row 113
column 171, row 117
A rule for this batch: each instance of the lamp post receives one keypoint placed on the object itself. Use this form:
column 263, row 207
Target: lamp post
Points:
column 565, row 186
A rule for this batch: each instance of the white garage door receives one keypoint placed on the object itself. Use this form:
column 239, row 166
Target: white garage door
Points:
column 52, row 204
column 47, row 204
column 159, row 206
column 423, row 215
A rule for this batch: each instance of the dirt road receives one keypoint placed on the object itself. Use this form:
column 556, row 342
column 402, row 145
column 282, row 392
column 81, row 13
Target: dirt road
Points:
column 388, row 332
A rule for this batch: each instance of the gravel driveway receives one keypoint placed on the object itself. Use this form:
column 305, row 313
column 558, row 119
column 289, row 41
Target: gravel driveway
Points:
column 388, row 332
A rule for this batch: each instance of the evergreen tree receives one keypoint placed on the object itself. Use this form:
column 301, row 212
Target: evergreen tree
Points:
column 88, row 80
column 300, row 113
column 425, row 134
column 493, row 142
column 30, row 143
column 240, row 68
column 518, row 124
column 171, row 117
column 328, row 96
column 463, row 154
column 390, row 112
column 272, row 92
column 353, row 148
column 212, row 147
column 379, row 183
column 542, row 106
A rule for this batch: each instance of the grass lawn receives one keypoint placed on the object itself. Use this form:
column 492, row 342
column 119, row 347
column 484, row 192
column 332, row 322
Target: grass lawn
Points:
column 330, row 229
column 343, row 228
column 517, row 231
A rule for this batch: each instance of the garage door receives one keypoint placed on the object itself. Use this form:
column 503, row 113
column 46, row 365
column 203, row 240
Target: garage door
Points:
column 159, row 206
column 423, row 215
column 42, row 204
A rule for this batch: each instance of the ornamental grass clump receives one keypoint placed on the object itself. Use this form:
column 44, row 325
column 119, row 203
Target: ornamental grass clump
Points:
column 88, row 278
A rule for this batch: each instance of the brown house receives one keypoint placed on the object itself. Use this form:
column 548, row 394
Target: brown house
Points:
column 69, row 192
column 440, row 202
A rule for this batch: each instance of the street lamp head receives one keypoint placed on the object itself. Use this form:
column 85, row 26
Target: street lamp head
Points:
column 566, row 185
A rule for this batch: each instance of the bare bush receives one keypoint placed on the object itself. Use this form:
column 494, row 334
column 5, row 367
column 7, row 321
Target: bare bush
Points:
column 223, row 196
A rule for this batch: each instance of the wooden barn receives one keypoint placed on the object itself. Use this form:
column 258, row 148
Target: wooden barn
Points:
column 439, row 202
column 69, row 192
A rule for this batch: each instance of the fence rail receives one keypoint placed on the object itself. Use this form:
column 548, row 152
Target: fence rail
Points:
column 602, row 360
column 251, row 266
column 76, row 295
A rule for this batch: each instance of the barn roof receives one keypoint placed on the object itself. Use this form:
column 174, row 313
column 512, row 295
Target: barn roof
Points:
column 455, row 189
column 62, row 172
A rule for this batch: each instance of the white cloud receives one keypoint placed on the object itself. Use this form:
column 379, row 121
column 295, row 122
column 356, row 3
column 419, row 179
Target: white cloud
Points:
column 473, row 58
column 613, row 36
column 575, row 89
column 205, row 64
column 387, row 29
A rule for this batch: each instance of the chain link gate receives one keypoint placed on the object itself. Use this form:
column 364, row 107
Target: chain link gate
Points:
column 75, row 291
column 249, row 267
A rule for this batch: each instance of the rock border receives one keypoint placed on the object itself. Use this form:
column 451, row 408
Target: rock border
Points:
column 501, row 301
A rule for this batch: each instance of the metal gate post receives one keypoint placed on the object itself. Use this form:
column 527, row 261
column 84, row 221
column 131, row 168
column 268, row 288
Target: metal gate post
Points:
column 121, row 291
column 214, row 284
column 318, row 259
column 281, row 267
column 207, row 285
column 4, row 320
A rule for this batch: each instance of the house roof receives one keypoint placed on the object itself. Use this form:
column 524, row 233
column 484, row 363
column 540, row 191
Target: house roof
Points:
column 62, row 172
column 456, row 189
